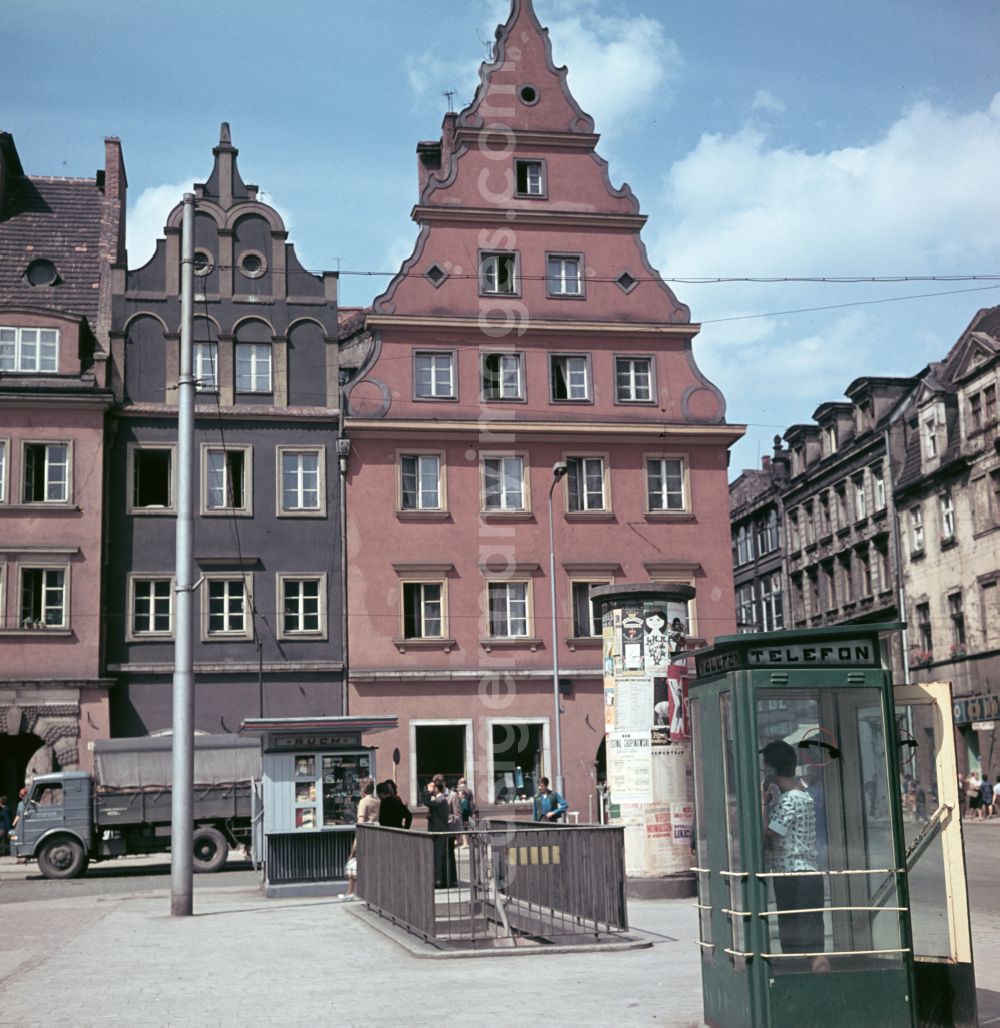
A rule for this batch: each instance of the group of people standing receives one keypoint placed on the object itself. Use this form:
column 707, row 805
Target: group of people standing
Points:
column 980, row 796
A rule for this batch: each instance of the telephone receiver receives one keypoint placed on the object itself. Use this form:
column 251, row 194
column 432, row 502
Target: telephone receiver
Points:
column 831, row 749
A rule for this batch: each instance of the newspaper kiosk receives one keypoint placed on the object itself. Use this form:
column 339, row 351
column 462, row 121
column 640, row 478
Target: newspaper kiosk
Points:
column 818, row 903
column 309, row 793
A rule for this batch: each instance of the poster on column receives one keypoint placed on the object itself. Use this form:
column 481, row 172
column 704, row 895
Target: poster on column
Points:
column 630, row 772
column 632, row 631
column 634, row 705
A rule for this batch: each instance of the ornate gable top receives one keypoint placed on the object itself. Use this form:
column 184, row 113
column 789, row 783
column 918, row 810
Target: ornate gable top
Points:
column 225, row 183
column 522, row 89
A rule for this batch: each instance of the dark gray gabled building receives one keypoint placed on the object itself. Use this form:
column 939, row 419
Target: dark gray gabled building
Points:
column 267, row 537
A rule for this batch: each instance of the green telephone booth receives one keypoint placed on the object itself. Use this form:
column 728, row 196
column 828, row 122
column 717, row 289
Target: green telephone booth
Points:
column 804, row 859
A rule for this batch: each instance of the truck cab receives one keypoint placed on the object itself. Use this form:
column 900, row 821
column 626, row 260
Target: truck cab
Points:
column 57, row 826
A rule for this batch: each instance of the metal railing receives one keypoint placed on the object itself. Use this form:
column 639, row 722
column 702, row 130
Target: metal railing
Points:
column 514, row 883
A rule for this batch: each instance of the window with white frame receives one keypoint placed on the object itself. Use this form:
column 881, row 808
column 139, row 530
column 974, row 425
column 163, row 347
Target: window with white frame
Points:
column 569, row 378
column 746, row 607
column 434, row 375
column 990, row 405
column 226, row 607
column 585, row 483
column 152, row 479
column 503, row 483
column 975, row 412
column 29, row 350
column 43, row 598
column 947, row 517
column 529, row 178
column 860, row 498
column 924, row 632
column 420, row 481
column 302, row 481
column 152, row 607
column 205, row 357
column 423, row 610
column 633, row 379
column 45, row 473
column 930, row 433
column 303, row 605
column 586, row 621
column 744, row 545
column 226, row 482
column 917, row 529
column 665, row 483
column 956, row 615
column 865, row 572
column 564, row 274
column 508, row 609
column 772, row 603
column 253, row 368
column 498, row 273
column 878, row 487
column 502, row 376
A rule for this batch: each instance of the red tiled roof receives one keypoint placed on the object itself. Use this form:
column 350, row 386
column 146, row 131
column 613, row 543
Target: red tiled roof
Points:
column 59, row 220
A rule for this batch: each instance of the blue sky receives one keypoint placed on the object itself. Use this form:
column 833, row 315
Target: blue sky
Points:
column 780, row 139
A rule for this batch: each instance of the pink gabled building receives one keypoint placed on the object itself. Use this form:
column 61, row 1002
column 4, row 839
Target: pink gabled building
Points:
column 527, row 329
column 58, row 240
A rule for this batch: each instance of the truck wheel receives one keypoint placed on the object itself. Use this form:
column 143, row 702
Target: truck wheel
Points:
column 210, row 850
column 62, row 858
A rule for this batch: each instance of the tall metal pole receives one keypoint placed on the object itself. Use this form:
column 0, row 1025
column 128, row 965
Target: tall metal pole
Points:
column 181, row 805
column 559, row 469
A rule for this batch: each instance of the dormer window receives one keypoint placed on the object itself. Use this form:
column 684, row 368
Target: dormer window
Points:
column 830, row 434
column 29, row 350
column 930, row 436
column 529, row 178
column 41, row 273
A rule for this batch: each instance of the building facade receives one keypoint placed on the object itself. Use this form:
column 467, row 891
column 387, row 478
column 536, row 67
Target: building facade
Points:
column 948, row 496
column 842, row 556
column 756, row 514
column 59, row 238
column 525, row 355
column 267, row 533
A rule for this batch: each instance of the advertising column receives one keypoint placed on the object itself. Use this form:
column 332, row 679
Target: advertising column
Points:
column 646, row 729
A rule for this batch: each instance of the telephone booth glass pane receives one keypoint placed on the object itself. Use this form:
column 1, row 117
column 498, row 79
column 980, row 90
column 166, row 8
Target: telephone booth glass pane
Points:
column 737, row 891
column 701, row 833
column 829, row 847
column 923, row 819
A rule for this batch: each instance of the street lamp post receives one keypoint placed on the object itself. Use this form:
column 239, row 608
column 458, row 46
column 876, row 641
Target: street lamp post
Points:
column 559, row 470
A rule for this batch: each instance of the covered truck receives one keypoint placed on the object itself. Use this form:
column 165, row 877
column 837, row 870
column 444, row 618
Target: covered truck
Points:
column 71, row 818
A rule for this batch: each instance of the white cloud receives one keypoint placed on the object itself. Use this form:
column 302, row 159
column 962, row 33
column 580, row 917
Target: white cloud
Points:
column 148, row 213
column 146, row 217
column 765, row 100
column 619, row 66
column 921, row 200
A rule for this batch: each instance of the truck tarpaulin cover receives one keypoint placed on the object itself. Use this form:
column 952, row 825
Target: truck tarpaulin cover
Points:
column 147, row 763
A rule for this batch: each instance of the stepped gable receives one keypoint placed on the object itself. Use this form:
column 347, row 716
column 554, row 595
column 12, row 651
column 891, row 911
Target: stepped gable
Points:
column 523, row 111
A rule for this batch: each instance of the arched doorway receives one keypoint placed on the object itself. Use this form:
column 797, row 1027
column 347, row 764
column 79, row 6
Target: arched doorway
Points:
column 16, row 753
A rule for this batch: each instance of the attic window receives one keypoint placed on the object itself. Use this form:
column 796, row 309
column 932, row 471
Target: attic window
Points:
column 529, row 95
column 42, row 273
column 435, row 274
column 252, row 264
column 627, row 282
column 203, row 263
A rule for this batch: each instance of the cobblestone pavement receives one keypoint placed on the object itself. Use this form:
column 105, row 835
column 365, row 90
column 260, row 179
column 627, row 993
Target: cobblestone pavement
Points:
column 120, row 959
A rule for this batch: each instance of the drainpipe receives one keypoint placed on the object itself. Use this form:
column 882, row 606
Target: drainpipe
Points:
column 343, row 452
column 897, row 548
